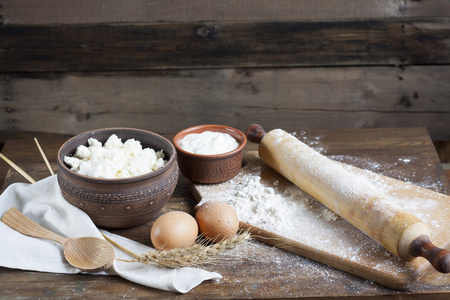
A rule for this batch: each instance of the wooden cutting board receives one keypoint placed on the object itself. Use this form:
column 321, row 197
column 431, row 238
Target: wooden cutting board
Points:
column 284, row 216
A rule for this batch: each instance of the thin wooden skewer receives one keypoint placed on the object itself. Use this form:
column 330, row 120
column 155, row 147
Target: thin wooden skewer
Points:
column 119, row 246
column 18, row 169
column 44, row 157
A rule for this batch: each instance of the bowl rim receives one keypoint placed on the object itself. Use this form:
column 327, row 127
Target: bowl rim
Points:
column 81, row 177
column 210, row 127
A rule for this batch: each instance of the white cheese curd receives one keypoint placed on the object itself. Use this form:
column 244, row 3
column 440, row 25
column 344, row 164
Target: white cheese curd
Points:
column 208, row 143
column 114, row 159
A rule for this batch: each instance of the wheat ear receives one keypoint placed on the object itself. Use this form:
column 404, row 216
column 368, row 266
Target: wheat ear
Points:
column 195, row 255
column 200, row 253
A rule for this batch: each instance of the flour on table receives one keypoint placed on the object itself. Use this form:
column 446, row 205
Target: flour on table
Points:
column 269, row 203
column 266, row 200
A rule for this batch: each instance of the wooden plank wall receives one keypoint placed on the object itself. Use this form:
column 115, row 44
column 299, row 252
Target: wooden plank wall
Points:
column 71, row 66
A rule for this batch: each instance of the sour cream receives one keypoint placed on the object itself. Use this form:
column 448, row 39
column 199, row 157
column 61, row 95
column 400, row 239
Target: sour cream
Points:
column 208, row 143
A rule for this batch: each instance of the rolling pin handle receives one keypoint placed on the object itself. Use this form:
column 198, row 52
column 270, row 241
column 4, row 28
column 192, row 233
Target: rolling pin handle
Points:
column 255, row 133
column 439, row 258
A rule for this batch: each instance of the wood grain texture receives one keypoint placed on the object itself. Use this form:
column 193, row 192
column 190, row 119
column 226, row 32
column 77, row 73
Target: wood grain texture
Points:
column 256, row 271
column 215, row 44
column 22, row 12
column 372, row 261
column 289, row 98
column 89, row 254
column 327, row 64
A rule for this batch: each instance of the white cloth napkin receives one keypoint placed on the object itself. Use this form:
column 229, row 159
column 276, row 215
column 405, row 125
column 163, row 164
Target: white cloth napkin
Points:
column 43, row 203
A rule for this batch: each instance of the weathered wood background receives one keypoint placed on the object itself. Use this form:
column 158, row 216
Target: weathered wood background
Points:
column 71, row 66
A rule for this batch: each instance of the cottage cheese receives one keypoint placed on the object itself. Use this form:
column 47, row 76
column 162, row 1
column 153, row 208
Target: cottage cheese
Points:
column 208, row 143
column 114, row 159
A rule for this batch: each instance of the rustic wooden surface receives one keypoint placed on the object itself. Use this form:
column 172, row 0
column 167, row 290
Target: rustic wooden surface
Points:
column 379, row 266
column 213, row 45
column 256, row 270
column 20, row 12
column 66, row 67
column 288, row 98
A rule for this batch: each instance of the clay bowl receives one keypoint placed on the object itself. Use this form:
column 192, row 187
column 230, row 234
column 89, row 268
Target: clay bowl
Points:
column 210, row 168
column 121, row 202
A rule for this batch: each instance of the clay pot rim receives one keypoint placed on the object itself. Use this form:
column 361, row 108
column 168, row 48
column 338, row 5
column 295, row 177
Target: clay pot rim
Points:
column 172, row 159
column 214, row 128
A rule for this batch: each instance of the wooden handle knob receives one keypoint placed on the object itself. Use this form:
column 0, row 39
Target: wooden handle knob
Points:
column 439, row 258
column 255, row 133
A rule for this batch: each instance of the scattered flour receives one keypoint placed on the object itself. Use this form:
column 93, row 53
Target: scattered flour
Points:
column 266, row 200
column 273, row 203
column 270, row 205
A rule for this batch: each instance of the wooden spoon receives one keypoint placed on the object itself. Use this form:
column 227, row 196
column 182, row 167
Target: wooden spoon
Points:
column 89, row 254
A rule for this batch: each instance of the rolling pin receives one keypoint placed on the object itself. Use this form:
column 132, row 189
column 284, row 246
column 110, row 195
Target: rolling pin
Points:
column 353, row 198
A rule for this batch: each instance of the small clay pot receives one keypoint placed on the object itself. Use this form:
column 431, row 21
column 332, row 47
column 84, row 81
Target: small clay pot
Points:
column 210, row 168
column 121, row 202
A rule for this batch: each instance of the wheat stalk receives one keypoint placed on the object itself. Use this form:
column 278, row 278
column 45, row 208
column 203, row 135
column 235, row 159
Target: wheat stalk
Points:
column 200, row 253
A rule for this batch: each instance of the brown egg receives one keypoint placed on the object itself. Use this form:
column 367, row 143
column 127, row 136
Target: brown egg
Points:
column 217, row 221
column 173, row 230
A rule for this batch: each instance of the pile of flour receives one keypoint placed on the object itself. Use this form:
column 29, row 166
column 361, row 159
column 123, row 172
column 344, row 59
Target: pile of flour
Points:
column 269, row 204
column 272, row 204
column 266, row 200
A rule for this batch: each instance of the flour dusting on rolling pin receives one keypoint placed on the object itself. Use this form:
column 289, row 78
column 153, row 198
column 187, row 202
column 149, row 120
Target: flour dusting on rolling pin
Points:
column 283, row 215
column 348, row 195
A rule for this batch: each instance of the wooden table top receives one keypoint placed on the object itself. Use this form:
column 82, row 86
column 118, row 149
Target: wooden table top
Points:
column 274, row 273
